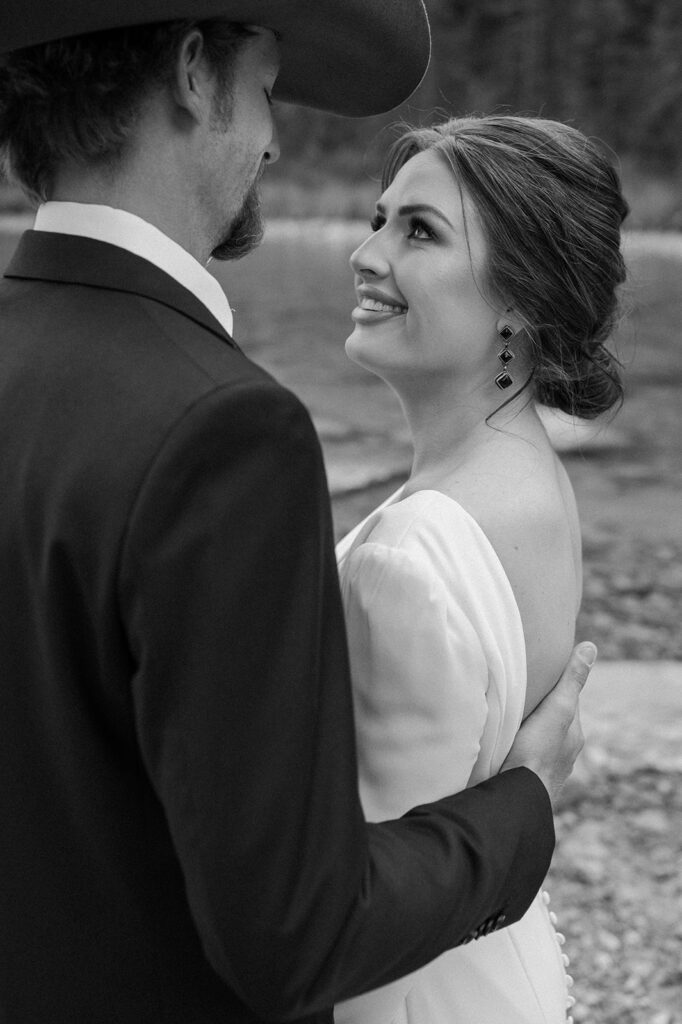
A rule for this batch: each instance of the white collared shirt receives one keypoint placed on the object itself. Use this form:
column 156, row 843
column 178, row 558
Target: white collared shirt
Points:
column 128, row 231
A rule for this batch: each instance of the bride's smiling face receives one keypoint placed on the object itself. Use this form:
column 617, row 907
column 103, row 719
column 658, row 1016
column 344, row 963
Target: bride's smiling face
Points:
column 419, row 282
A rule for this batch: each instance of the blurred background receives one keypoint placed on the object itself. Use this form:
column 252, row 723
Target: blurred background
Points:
column 612, row 68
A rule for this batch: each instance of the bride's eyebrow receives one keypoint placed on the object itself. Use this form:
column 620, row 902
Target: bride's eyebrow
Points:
column 408, row 210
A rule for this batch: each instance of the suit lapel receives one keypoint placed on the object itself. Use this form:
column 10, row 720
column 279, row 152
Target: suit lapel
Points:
column 72, row 259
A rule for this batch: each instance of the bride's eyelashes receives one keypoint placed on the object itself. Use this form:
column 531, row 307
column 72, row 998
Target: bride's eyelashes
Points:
column 418, row 227
column 420, row 230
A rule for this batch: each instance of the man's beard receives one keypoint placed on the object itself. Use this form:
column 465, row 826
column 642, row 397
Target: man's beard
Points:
column 245, row 232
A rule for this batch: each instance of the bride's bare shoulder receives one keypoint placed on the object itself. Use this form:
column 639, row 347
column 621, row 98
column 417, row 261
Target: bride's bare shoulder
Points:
column 522, row 499
column 513, row 483
column 527, row 512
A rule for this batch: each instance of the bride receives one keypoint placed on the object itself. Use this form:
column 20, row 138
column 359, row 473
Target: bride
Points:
column 487, row 286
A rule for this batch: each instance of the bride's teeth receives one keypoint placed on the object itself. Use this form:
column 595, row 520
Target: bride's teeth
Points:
column 379, row 307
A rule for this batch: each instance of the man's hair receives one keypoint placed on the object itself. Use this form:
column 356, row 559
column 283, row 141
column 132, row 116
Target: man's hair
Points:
column 79, row 99
column 551, row 207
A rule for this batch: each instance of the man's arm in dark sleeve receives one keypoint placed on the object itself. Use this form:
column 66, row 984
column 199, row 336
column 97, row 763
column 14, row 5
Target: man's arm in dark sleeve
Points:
column 230, row 597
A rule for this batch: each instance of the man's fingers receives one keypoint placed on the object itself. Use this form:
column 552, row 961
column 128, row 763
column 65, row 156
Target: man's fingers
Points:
column 575, row 730
column 587, row 653
column 578, row 668
column 551, row 738
column 564, row 697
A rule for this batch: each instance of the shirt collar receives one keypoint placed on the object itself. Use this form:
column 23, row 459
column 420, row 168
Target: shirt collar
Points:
column 128, row 231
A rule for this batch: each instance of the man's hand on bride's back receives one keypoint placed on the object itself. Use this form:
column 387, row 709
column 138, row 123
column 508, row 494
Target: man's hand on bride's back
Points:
column 551, row 738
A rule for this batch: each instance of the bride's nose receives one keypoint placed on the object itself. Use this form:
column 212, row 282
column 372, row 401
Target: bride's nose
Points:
column 369, row 259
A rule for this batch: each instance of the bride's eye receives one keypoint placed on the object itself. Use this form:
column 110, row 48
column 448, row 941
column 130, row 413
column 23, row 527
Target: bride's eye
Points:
column 420, row 230
column 377, row 222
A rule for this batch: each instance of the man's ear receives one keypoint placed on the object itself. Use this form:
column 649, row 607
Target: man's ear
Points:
column 192, row 81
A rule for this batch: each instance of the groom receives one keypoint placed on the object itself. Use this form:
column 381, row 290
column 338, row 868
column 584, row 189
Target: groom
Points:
column 181, row 836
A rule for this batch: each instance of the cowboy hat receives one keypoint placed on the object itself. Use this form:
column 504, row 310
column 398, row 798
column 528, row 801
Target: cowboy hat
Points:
column 352, row 57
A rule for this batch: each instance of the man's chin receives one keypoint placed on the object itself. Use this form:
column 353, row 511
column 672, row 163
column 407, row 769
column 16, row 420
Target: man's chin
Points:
column 245, row 232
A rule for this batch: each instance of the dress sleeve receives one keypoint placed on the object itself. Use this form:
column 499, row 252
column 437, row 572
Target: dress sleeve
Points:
column 419, row 687
column 419, row 681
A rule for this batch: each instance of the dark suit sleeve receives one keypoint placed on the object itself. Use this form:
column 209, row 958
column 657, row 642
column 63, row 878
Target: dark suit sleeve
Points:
column 230, row 600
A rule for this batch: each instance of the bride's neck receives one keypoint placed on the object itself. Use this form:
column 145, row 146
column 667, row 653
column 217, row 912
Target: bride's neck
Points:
column 449, row 430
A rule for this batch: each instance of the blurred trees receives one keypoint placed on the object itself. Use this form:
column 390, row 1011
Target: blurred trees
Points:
column 613, row 68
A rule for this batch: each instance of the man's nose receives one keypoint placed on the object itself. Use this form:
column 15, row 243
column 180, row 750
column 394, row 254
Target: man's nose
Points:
column 271, row 154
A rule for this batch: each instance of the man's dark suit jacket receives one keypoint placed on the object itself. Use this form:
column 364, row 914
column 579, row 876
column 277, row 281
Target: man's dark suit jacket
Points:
column 181, row 840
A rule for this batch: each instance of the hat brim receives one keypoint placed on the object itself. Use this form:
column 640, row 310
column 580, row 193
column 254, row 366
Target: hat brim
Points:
column 351, row 57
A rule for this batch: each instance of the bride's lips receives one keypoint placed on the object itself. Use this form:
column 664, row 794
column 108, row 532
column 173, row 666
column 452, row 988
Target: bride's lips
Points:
column 375, row 307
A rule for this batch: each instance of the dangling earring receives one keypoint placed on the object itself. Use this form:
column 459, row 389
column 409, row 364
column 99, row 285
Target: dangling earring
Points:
column 504, row 379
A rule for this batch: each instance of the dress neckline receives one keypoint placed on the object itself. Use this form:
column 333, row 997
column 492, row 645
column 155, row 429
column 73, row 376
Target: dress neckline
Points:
column 394, row 499
column 358, row 532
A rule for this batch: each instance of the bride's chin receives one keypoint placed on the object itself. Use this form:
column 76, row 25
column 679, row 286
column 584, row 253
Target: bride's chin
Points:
column 371, row 349
column 356, row 348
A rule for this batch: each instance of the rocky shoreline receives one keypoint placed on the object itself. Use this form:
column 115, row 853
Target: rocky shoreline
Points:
column 617, row 892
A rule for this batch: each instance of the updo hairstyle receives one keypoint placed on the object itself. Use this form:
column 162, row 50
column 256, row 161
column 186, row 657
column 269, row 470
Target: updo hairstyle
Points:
column 550, row 206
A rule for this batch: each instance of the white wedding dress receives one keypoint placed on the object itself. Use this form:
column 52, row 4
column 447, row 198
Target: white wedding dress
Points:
column 439, row 674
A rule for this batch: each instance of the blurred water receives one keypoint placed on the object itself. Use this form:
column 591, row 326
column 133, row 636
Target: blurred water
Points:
column 292, row 300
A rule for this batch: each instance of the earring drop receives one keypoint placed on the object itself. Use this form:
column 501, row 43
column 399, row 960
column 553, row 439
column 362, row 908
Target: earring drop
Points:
column 504, row 379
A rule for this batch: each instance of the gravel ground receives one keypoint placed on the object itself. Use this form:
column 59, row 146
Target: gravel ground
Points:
column 617, row 891
column 632, row 599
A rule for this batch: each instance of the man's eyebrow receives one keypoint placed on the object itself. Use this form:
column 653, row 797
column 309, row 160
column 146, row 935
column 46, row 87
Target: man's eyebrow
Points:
column 261, row 30
column 406, row 211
